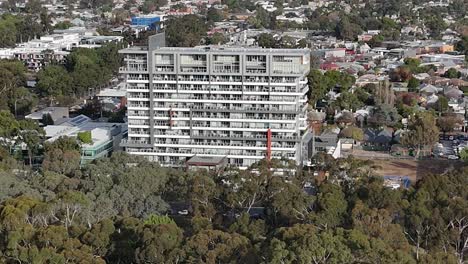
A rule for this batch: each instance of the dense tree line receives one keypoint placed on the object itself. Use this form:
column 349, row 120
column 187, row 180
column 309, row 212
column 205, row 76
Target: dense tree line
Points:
column 186, row 31
column 14, row 96
column 347, row 19
column 84, row 68
column 114, row 211
column 21, row 28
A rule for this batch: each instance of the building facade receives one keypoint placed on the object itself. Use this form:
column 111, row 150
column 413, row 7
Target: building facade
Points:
column 216, row 102
column 153, row 21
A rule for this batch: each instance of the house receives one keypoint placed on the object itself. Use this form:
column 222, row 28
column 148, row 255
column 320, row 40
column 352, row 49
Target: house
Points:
column 459, row 106
column 345, row 118
column 378, row 139
column 400, row 86
column 56, row 113
column 422, row 76
column 439, row 81
column 368, row 79
column 443, row 58
column 113, row 98
column 77, row 22
column 325, row 141
column 429, row 89
column 430, row 100
column 453, row 93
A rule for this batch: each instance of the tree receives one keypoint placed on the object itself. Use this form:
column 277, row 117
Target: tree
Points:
column 448, row 122
column 413, row 83
column 384, row 115
column 417, row 220
column 186, row 31
column 12, row 78
column 9, row 127
column 63, row 25
column 150, row 6
column 153, row 219
column 255, row 230
column 63, row 143
column 286, row 203
column 436, row 24
column 214, row 246
column 442, row 104
column 54, row 81
column 352, row 132
column 99, row 237
column 203, row 191
column 401, row 74
column 287, row 42
column 452, row 73
column 250, row 189
column 266, row 40
column 347, row 30
column 72, row 205
column 8, row 31
column 62, row 156
column 32, row 136
column 464, row 154
column 306, row 244
column 348, row 101
column 159, row 243
column 422, row 132
column 331, row 206
column 262, row 18
column 214, row 15
column 216, row 39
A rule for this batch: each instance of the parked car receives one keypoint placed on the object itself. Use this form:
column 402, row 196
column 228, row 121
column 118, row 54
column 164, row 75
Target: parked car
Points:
column 183, row 212
column 453, row 157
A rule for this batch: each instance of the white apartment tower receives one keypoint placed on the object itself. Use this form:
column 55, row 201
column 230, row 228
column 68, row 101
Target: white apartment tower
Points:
column 239, row 103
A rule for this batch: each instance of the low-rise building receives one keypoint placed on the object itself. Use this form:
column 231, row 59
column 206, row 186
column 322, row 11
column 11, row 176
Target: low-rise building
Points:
column 153, row 21
column 56, row 113
column 105, row 136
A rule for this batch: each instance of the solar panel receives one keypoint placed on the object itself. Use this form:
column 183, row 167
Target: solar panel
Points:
column 79, row 120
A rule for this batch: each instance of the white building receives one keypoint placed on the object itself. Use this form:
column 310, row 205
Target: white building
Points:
column 216, row 102
column 105, row 136
column 37, row 53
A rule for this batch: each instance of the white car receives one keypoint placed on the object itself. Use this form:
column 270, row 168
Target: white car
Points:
column 183, row 212
column 453, row 157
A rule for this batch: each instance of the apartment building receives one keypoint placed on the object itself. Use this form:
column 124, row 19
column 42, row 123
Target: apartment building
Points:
column 242, row 104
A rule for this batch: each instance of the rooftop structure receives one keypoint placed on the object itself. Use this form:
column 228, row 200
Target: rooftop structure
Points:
column 201, row 162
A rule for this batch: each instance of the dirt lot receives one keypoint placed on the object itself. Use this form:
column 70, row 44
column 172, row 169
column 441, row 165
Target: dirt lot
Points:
column 415, row 169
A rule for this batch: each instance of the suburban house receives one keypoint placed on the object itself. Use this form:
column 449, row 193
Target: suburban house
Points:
column 378, row 139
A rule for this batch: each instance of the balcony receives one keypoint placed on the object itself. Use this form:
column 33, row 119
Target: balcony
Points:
column 164, row 68
column 133, row 114
column 130, row 105
column 142, row 78
column 132, row 69
column 134, row 143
